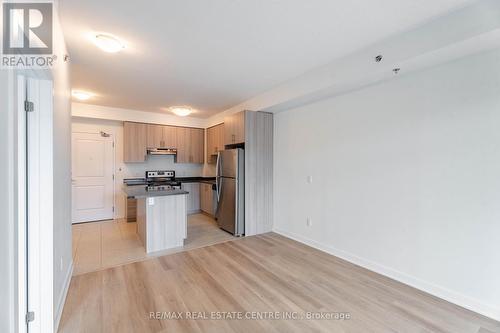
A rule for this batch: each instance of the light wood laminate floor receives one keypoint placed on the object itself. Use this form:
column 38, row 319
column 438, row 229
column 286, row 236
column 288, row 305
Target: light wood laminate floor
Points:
column 260, row 273
column 100, row 245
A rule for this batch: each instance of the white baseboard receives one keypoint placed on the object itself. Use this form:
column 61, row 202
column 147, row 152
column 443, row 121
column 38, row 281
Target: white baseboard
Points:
column 435, row 290
column 62, row 297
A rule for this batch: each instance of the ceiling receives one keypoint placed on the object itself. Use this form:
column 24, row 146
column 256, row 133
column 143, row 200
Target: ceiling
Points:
column 212, row 55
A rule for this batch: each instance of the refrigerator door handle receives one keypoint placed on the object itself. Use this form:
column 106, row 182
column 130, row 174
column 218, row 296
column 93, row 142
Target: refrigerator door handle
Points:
column 217, row 177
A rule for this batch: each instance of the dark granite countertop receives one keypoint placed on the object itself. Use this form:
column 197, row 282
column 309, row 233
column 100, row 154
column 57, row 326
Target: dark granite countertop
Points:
column 134, row 181
column 138, row 192
column 209, row 180
column 142, row 181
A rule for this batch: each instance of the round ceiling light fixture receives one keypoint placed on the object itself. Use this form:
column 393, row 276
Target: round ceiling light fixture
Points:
column 81, row 95
column 108, row 43
column 181, row 111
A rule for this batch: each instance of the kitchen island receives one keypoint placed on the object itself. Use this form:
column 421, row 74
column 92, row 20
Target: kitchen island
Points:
column 161, row 217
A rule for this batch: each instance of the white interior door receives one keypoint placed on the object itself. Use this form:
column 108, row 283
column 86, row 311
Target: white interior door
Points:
column 92, row 177
column 35, row 251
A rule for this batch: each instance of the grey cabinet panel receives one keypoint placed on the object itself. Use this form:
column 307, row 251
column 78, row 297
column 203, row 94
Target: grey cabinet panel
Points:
column 193, row 198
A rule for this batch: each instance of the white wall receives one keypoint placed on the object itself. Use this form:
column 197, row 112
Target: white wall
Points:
column 465, row 31
column 131, row 170
column 63, row 260
column 7, row 217
column 406, row 179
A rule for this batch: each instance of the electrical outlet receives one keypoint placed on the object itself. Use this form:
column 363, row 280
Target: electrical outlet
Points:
column 151, row 201
column 309, row 222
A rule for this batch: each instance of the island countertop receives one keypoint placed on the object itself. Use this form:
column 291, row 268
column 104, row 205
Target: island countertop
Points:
column 143, row 181
column 137, row 192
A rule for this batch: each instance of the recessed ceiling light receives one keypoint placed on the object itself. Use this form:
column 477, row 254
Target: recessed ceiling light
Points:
column 108, row 43
column 81, row 95
column 181, row 111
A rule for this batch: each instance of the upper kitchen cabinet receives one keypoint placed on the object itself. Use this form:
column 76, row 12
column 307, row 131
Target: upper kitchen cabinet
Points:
column 190, row 145
column 134, row 142
column 161, row 136
column 197, row 145
column 183, row 143
column 215, row 142
column 234, row 128
column 139, row 137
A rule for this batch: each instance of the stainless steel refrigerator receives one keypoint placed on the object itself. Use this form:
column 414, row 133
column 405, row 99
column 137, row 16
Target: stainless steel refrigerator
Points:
column 230, row 185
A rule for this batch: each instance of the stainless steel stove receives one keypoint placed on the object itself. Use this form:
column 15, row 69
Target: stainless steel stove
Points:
column 161, row 180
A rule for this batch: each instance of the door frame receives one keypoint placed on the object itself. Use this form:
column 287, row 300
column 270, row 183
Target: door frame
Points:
column 113, row 140
column 34, row 158
column 21, row 253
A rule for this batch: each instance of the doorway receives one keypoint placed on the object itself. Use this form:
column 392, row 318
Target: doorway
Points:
column 92, row 177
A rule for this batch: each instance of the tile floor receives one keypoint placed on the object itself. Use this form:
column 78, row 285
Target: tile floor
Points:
column 100, row 245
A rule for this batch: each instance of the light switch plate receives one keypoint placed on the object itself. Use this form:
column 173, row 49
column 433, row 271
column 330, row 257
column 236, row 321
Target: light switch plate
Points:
column 309, row 179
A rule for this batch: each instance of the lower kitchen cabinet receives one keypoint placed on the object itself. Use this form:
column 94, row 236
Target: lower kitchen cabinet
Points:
column 193, row 198
column 207, row 199
column 131, row 213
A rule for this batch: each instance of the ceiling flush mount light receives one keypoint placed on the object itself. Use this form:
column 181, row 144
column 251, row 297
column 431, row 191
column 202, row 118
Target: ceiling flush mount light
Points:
column 181, row 111
column 81, row 95
column 108, row 43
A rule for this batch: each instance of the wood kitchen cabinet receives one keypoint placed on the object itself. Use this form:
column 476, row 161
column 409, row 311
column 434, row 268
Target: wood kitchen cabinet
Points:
column 131, row 213
column 207, row 199
column 215, row 142
column 234, row 128
column 197, row 147
column 193, row 197
column 161, row 136
column 183, row 143
column 138, row 137
column 134, row 142
column 190, row 145
column 258, row 172
column 155, row 136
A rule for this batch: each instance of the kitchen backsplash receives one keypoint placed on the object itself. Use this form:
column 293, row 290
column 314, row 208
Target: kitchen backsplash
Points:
column 132, row 170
